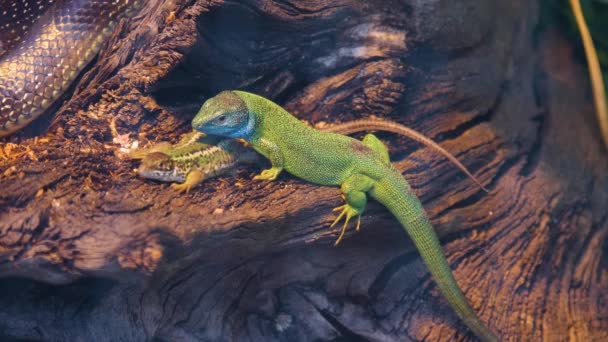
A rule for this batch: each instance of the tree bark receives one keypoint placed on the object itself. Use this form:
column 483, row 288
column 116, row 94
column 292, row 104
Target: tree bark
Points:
column 89, row 251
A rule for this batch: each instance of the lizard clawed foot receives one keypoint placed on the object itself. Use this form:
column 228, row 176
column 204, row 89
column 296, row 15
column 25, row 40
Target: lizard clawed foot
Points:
column 347, row 212
column 268, row 174
column 181, row 188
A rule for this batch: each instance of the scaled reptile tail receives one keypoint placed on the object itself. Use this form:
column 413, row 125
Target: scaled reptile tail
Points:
column 394, row 193
column 393, row 127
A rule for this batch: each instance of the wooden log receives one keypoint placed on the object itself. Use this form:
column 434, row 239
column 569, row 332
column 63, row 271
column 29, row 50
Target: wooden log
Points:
column 88, row 251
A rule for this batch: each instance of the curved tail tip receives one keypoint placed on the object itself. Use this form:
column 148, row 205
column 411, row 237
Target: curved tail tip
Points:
column 481, row 186
column 481, row 331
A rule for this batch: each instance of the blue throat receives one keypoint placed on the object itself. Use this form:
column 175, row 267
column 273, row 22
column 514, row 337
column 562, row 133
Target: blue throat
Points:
column 246, row 131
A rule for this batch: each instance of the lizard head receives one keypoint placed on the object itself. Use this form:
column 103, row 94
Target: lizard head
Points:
column 225, row 114
column 159, row 166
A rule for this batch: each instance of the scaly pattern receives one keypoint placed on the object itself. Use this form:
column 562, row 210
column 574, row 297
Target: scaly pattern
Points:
column 45, row 45
column 175, row 163
column 191, row 161
column 360, row 168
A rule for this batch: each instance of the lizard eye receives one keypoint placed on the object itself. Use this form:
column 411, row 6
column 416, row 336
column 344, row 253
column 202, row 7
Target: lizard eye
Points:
column 221, row 119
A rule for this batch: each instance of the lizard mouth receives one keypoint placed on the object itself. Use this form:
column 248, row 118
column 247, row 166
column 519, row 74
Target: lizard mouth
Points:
column 158, row 166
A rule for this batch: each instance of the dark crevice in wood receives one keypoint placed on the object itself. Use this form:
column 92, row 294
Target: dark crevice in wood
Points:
column 478, row 119
column 464, row 203
column 388, row 271
column 346, row 334
column 534, row 155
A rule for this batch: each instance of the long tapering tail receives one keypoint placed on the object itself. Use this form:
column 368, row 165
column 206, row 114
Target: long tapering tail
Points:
column 394, row 193
column 393, row 127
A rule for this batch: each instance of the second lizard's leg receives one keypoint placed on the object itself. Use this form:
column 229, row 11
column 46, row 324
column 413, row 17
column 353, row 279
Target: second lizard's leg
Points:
column 193, row 179
column 377, row 145
column 354, row 191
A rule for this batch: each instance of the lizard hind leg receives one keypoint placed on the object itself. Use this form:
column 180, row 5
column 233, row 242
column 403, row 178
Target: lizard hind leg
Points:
column 377, row 145
column 354, row 190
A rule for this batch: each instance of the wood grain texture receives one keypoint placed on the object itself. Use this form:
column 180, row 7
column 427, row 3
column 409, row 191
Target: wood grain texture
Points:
column 88, row 251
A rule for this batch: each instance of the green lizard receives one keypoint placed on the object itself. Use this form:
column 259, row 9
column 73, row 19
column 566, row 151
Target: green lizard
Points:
column 360, row 168
column 197, row 158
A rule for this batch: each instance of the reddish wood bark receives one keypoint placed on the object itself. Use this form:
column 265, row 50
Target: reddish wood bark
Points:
column 88, row 251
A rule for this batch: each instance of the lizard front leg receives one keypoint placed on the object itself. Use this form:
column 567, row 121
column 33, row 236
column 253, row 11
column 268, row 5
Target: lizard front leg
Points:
column 271, row 151
column 354, row 191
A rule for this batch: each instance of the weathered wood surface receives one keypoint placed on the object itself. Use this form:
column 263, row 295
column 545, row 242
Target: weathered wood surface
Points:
column 88, row 251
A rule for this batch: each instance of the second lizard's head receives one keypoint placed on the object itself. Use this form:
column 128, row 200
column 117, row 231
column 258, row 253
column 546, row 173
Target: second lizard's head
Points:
column 225, row 114
column 160, row 166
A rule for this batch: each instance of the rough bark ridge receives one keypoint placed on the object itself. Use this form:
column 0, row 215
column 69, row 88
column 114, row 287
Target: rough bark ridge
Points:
column 90, row 252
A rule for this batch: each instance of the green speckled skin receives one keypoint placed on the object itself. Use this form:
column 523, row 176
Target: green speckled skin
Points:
column 197, row 154
column 360, row 168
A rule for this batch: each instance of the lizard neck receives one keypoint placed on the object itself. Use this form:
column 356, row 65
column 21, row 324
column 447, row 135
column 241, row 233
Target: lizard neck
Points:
column 246, row 132
column 267, row 118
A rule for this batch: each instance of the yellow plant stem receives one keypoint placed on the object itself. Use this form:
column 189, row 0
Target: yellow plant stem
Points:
column 597, row 82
